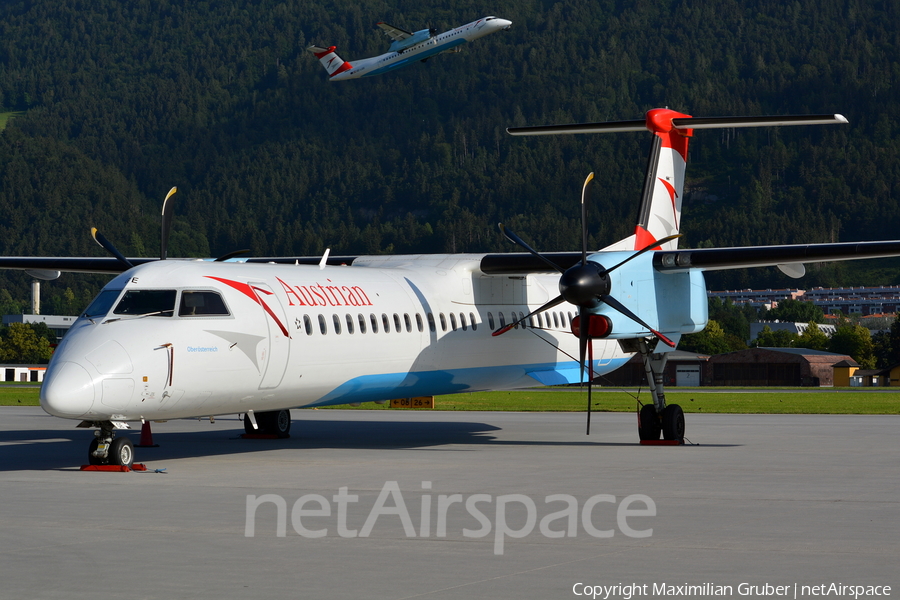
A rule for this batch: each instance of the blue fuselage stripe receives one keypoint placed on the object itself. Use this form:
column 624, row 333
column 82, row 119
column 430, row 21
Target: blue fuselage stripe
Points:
column 389, row 386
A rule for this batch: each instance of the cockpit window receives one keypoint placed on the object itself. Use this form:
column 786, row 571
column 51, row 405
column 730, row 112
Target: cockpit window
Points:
column 202, row 304
column 102, row 303
column 147, row 303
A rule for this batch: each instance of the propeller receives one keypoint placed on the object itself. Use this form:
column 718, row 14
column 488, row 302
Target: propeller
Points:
column 586, row 285
column 167, row 214
column 107, row 245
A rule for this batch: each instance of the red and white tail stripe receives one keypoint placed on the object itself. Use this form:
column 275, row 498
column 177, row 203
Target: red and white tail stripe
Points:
column 333, row 63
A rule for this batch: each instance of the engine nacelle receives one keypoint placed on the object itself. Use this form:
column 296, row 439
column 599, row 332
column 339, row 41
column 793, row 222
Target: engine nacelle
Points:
column 416, row 38
column 599, row 326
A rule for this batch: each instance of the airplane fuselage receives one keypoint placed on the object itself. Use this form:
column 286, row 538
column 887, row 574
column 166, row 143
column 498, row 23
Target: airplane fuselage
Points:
column 173, row 339
column 443, row 42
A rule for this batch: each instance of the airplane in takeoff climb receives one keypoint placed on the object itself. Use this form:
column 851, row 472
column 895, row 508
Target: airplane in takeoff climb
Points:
column 406, row 48
column 171, row 338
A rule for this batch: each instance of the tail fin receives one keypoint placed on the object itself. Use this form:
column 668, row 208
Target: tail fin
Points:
column 660, row 214
column 333, row 63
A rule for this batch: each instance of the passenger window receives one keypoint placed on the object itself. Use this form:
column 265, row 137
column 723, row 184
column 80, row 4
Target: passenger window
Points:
column 431, row 325
column 462, row 321
column 419, row 323
column 555, row 320
column 323, row 326
column 408, row 323
column 201, row 304
column 337, row 324
column 443, row 322
column 386, row 323
column 473, row 321
column 307, row 323
column 397, row 323
column 350, row 324
column 374, row 320
column 491, row 320
column 148, row 303
column 502, row 319
column 452, row 321
column 362, row 323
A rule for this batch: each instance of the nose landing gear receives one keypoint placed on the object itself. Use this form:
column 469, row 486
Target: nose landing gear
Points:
column 107, row 449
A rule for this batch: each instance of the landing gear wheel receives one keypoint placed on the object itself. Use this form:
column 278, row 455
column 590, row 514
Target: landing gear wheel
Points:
column 648, row 424
column 121, row 452
column 282, row 423
column 673, row 423
column 94, row 460
column 275, row 422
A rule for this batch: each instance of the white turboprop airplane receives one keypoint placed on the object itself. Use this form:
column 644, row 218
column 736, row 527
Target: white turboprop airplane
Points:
column 406, row 48
column 169, row 339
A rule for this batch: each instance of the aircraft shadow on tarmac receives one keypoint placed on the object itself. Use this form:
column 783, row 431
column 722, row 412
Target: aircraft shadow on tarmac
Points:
column 24, row 450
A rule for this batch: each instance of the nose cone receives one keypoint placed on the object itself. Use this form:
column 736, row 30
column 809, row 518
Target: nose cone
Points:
column 502, row 23
column 68, row 391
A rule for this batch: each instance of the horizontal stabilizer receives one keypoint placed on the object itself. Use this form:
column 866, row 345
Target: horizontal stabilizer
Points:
column 679, row 123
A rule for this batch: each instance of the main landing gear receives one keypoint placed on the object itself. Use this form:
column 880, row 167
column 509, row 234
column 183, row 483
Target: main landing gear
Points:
column 658, row 417
column 275, row 422
column 106, row 448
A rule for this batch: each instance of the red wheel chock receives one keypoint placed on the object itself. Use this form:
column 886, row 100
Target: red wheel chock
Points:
column 115, row 468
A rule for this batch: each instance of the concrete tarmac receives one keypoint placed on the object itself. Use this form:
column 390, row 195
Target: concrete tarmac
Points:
column 759, row 500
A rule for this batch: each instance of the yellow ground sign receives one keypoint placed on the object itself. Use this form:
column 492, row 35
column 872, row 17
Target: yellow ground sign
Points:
column 418, row 402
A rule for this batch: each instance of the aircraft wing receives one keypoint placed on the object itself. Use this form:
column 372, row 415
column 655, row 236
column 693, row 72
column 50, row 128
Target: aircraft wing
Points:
column 46, row 265
column 100, row 265
column 395, row 33
column 709, row 259
column 718, row 259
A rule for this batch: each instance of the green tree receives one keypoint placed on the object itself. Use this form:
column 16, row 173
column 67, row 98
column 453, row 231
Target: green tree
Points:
column 855, row 341
column 781, row 338
column 19, row 344
column 795, row 311
column 813, row 338
column 712, row 340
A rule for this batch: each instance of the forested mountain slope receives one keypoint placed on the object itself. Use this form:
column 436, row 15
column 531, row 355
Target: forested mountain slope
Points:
column 123, row 100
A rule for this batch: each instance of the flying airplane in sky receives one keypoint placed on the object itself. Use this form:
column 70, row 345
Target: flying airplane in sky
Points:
column 406, row 48
column 168, row 339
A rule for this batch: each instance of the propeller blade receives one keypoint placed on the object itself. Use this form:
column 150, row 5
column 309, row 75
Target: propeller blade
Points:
column 590, row 381
column 232, row 254
column 167, row 214
column 517, row 240
column 584, row 346
column 645, row 249
column 549, row 305
column 585, row 194
column 613, row 303
column 107, row 245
